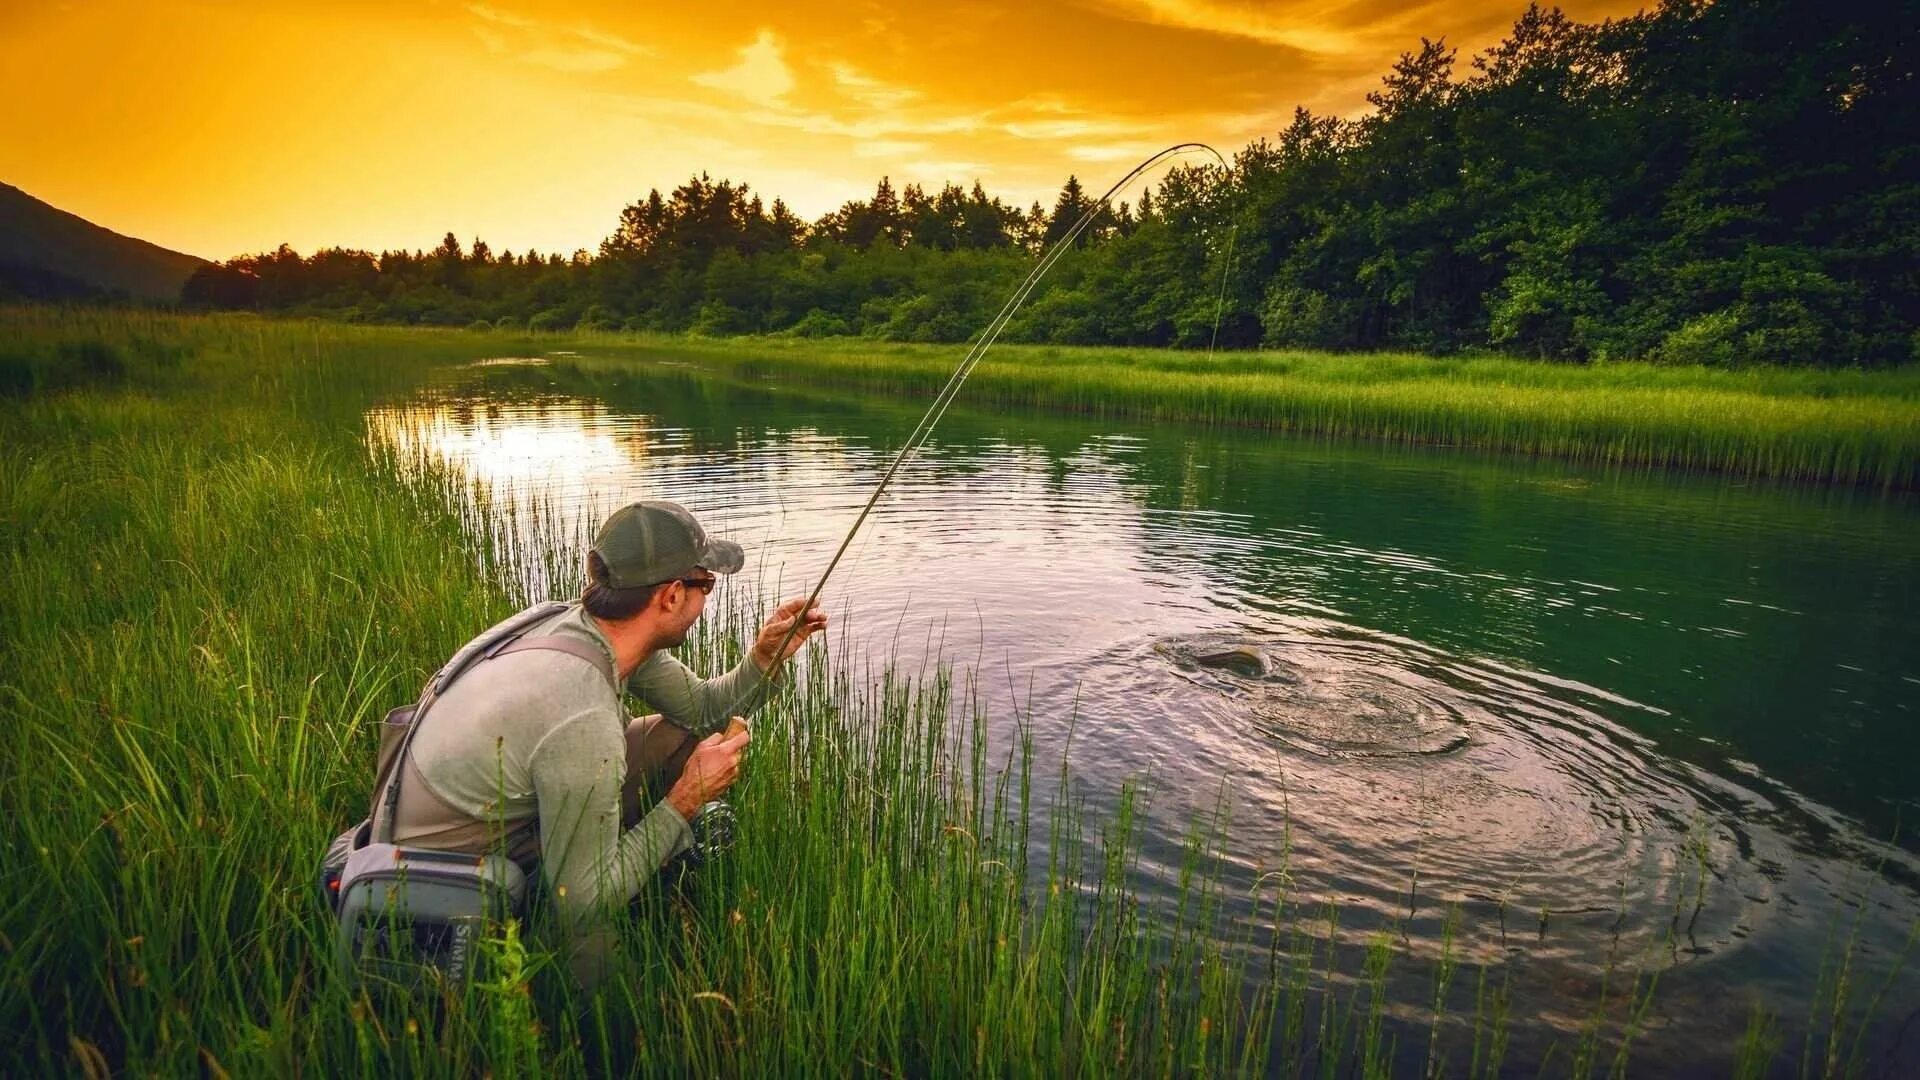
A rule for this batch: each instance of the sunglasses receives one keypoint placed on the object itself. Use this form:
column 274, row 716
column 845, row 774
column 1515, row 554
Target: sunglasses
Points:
column 704, row 584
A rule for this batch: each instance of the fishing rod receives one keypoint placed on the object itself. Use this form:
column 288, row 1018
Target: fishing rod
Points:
column 944, row 399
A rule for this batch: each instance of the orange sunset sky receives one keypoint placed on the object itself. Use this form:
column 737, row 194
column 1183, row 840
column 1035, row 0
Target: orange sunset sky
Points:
column 224, row 128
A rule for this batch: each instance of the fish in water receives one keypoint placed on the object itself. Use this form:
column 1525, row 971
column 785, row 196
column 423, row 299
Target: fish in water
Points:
column 1327, row 701
column 1242, row 660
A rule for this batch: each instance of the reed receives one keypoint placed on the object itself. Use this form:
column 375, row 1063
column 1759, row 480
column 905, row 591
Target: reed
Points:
column 214, row 590
column 1853, row 427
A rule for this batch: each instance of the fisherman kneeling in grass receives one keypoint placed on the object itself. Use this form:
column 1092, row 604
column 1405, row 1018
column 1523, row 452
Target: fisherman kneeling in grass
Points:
column 531, row 753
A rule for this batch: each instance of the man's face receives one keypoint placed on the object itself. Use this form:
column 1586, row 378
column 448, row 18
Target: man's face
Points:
column 690, row 602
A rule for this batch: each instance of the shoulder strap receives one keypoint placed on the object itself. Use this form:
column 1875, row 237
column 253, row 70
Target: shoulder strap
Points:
column 572, row 646
column 490, row 643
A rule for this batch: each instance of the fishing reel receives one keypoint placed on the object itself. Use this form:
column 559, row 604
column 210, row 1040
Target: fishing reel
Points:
column 715, row 829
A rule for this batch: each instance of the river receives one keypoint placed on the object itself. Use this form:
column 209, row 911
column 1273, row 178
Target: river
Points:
column 1619, row 719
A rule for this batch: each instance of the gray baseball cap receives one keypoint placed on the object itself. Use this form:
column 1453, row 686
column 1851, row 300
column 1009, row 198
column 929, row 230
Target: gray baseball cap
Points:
column 646, row 543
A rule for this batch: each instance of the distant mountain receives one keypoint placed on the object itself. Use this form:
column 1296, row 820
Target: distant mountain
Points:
column 47, row 253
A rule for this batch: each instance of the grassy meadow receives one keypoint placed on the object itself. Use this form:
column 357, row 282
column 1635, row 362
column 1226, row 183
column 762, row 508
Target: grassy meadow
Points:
column 1841, row 426
column 214, row 590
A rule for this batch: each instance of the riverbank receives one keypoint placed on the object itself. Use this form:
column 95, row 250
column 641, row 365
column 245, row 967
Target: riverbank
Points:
column 213, row 595
column 214, row 591
column 1832, row 426
column 1854, row 427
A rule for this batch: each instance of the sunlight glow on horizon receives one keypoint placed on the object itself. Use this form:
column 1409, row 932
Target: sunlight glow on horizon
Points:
column 221, row 130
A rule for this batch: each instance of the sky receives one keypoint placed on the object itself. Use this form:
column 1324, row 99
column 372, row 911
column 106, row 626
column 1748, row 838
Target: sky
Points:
column 226, row 128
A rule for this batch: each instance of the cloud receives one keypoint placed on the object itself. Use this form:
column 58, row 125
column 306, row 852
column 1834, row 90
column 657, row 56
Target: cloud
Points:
column 612, row 41
column 1081, row 127
column 876, row 127
column 575, row 59
column 495, row 43
column 947, row 172
column 870, row 91
column 1256, row 22
column 780, row 114
column 504, row 18
column 1101, row 152
column 761, row 73
column 889, row 148
column 580, row 48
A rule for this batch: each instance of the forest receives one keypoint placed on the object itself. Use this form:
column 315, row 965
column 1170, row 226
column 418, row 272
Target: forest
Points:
column 1722, row 184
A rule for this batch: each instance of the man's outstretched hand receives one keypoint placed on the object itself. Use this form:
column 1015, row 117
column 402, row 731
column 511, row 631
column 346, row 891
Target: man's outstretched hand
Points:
column 775, row 632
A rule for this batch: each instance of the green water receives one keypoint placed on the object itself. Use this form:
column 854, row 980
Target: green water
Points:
column 1556, row 696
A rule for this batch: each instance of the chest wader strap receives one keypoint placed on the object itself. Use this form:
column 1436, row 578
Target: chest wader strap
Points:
column 503, row 639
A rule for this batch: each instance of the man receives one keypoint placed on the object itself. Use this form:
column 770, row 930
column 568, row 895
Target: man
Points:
column 531, row 751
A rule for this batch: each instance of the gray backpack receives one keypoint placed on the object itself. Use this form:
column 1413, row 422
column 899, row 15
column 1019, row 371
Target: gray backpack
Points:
column 402, row 910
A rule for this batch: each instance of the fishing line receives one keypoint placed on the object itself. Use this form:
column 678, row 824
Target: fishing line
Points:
column 944, row 399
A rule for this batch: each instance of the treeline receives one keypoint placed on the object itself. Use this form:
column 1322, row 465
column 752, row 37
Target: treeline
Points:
column 1706, row 183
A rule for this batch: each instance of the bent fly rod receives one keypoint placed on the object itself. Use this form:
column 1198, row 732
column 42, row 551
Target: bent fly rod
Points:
column 944, row 399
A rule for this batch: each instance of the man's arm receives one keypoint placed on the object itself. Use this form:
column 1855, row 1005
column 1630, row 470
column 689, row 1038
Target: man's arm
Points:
column 591, row 864
column 701, row 706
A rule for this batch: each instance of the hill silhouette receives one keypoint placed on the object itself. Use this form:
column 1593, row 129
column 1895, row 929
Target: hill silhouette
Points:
column 47, row 253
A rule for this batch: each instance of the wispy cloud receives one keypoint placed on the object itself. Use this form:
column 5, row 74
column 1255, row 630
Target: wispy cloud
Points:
column 865, row 128
column 575, row 59
column 943, row 172
column 761, row 73
column 868, row 91
column 1267, row 23
column 504, row 18
column 578, row 48
column 1070, row 127
column 889, row 148
column 1103, row 152
column 612, row 41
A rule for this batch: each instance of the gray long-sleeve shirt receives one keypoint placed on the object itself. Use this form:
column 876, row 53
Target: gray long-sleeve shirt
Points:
column 540, row 737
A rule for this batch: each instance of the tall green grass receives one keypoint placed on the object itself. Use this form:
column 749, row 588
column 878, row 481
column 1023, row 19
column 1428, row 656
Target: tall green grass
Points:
column 214, row 590
column 1843, row 426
